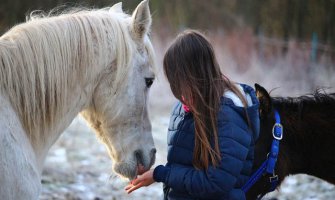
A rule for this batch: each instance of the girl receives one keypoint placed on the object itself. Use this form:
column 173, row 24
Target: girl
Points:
column 212, row 130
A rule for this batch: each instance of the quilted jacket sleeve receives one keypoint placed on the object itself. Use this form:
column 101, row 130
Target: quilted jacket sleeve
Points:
column 215, row 181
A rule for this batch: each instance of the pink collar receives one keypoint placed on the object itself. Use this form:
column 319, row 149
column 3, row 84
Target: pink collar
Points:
column 186, row 108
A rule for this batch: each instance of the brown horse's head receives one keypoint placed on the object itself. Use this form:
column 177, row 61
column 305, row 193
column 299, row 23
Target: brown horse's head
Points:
column 308, row 140
column 263, row 144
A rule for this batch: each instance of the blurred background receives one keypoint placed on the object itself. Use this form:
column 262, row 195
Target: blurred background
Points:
column 284, row 44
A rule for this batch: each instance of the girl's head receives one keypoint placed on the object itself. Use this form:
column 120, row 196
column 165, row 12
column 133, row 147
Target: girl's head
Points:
column 196, row 80
column 190, row 66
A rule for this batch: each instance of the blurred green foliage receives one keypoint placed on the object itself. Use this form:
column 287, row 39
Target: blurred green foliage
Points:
column 286, row 19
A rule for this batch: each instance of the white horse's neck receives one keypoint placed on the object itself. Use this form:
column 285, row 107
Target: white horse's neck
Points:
column 55, row 87
column 79, row 96
column 78, row 101
column 23, row 157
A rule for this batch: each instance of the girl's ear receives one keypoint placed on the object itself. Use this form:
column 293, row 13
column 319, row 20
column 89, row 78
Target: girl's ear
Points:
column 265, row 103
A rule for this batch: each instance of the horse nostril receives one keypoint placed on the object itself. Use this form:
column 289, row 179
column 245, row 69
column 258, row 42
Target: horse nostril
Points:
column 152, row 156
column 139, row 156
column 153, row 151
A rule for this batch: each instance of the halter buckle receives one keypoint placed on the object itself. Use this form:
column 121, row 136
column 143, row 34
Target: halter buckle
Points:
column 273, row 182
column 273, row 178
column 277, row 135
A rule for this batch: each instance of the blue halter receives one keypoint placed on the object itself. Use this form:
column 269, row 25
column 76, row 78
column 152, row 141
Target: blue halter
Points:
column 268, row 166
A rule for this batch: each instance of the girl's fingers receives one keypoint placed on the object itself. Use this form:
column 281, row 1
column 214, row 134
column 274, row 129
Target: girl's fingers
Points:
column 134, row 188
column 137, row 180
column 134, row 185
column 128, row 187
column 140, row 181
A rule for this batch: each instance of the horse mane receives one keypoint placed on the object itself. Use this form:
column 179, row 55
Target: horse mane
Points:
column 308, row 113
column 43, row 59
column 318, row 99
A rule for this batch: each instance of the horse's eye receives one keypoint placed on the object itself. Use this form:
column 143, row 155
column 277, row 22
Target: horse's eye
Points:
column 149, row 82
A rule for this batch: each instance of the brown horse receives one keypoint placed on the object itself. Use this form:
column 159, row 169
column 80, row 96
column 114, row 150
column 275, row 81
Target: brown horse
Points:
column 308, row 144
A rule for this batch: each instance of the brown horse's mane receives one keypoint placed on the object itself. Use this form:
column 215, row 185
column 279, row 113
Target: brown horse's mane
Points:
column 318, row 99
column 311, row 113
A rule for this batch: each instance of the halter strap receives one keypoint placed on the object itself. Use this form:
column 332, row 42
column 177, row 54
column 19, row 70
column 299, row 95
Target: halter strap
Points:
column 268, row 166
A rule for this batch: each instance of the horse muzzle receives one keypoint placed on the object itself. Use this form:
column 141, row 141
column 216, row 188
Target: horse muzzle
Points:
column 142, row 163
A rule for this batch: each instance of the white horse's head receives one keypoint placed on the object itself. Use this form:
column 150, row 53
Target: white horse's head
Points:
column 98, row 62
column 118, row 111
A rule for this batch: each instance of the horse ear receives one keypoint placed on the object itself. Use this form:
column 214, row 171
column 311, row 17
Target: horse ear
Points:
column 265, row 103
column 116, row 7
column 141, row 20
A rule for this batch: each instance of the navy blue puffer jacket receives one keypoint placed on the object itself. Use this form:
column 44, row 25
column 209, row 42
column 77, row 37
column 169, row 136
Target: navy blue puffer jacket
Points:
column 236, row 141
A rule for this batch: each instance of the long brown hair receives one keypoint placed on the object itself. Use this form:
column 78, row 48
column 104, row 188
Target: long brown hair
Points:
column 196, row 80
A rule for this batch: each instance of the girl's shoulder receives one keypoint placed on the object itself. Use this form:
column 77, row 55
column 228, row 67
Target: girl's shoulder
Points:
column 177, row 108
column 233, row 112
column 230, row 98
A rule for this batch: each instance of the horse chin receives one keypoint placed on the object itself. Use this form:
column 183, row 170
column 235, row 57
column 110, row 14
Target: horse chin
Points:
column 129, row 171
column 126, row 170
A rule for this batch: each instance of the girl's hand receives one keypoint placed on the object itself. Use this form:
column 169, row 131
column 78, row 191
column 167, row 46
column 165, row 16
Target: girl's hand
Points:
column 145, row 179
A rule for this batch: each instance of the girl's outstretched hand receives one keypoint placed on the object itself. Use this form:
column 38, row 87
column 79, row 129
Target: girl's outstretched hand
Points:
column 145, row 179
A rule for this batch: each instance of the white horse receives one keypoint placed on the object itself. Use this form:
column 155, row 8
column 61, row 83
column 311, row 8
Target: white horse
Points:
column 95, row 62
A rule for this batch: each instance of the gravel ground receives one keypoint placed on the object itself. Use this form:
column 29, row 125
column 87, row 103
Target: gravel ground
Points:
column 78, row 168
